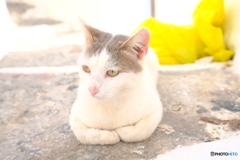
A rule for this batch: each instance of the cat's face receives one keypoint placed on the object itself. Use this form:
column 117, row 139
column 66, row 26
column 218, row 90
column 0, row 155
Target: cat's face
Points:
column 111, row 65
column 102, row 79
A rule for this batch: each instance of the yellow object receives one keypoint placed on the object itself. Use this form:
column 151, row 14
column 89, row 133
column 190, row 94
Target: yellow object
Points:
column 185, row 44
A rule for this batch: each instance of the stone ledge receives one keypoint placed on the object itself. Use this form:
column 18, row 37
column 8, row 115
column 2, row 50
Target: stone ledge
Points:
column 55, row 56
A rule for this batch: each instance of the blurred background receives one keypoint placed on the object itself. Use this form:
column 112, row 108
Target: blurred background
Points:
column 112, row 15
column 37, row 24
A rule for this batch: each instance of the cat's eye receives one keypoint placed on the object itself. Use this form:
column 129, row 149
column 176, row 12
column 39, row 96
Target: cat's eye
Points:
column 112, row 73
column 86, row 69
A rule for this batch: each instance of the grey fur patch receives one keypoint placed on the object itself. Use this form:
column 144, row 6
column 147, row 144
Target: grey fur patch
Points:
column 99, row 41
column 122, row 57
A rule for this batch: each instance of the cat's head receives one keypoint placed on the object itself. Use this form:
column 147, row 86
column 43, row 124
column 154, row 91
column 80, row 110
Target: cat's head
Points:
column 110, row 65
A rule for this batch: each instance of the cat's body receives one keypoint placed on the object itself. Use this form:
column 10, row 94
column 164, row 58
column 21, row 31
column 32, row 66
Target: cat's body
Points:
column 117, row 96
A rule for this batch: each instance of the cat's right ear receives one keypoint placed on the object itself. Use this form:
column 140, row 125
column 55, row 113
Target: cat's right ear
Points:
column 138, row 43
column 87, row 31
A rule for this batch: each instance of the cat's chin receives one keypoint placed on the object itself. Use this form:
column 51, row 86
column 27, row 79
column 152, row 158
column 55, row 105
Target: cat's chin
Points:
column 99, row 98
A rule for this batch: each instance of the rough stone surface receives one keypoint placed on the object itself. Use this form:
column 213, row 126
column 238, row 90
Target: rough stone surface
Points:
column 205, row 90
column 35, row 108
column 55, row 56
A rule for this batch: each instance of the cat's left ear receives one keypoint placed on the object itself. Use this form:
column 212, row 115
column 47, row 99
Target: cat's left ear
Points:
column 88, row 32
column 138, row 43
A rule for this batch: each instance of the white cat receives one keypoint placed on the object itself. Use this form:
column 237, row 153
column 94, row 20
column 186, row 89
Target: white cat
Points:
column 117, row 96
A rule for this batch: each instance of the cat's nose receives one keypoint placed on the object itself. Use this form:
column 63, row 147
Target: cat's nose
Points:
column 93, row 91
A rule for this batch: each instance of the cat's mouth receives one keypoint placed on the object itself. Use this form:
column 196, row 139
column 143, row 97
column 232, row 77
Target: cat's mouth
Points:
column 98, row 97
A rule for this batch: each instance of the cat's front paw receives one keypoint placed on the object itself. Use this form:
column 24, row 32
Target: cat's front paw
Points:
column 95, row 136
column 127, row 133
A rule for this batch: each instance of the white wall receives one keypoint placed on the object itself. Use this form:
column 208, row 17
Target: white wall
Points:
column 123, row 15
column 6, row 30
column 177, row 12
column 111, row 15
column 232, row 28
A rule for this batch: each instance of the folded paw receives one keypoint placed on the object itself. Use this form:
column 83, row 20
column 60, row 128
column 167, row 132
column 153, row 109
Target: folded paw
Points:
column 127, row 133
column 95, row 136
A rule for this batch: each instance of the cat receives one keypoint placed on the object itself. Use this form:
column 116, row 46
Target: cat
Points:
column 117, row 96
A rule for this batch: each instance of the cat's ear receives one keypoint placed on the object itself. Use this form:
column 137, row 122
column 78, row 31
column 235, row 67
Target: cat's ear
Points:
column 138, row 43
column 89, row 32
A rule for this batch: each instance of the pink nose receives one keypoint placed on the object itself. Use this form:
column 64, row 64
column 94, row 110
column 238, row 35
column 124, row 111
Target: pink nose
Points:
column 93, row 91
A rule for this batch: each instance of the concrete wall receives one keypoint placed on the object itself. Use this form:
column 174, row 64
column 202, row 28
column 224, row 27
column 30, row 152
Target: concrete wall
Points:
column 6, row 30
column 111, row 15
column 232, row 28
column 177, row 12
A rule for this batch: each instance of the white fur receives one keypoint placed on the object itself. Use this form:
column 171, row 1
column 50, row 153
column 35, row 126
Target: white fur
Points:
column 126, row 108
